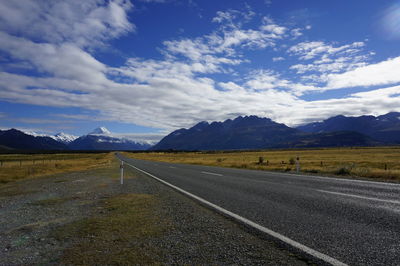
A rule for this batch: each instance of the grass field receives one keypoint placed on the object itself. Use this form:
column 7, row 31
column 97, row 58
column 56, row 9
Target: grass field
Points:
column 111, row 238
column 20, row 166
column 375, row 163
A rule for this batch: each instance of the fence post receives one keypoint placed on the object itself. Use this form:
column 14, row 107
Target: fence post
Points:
column 122, row 172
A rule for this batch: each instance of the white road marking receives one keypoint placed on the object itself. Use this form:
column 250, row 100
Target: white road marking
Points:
column 250, row 223
column 358, row 196
column 340, row 179
column 172, row 167
column 209, row 173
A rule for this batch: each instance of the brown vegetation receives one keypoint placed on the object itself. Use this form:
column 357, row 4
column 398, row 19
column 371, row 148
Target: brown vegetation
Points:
column 20, row 166
column 376, row 162
column 111, row 238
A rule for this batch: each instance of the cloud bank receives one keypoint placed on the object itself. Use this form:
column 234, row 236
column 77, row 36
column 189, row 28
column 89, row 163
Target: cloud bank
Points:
column 56, row 41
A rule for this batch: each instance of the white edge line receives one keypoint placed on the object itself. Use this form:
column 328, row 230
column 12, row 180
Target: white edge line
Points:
column 250, row 223
column 358, row 196
column 209, row 173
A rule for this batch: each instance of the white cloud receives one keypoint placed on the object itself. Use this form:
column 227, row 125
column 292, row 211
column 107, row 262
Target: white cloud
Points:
column 85, row 23
column 223, row 46
column 153, row 1
column 278, row 58
column 65, row 60
column 275, row 29
column 148, row 138
column 40, row 121
column 268, row 2
column 382, row 73
column 296, row 33
column 327, row 59
column 234, row 18
column 223, row 16
column 175, row 91
column 310, row 50
column 390, row 22
column 327, row 65
column 375, row 102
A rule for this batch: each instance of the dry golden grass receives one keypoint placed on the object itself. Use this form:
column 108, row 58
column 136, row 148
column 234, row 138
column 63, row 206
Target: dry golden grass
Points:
column 120, row 236
column 361, row 162
column 20, row 166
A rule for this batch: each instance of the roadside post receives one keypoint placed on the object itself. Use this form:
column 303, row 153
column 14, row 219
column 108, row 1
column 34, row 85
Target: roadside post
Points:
column 122, row 172
column 298, row 164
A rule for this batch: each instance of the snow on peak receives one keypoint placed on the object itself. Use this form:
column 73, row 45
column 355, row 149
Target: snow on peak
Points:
column 100, row 131
column 60, row 137
column 35, row 134
column 63, row 137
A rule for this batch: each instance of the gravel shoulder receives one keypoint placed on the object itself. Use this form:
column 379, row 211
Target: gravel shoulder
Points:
column 165, row 228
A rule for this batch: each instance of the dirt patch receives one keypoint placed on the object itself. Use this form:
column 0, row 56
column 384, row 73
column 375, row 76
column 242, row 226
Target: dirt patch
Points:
column 121, row 233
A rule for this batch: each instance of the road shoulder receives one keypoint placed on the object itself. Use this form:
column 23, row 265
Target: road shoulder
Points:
column 87, row 217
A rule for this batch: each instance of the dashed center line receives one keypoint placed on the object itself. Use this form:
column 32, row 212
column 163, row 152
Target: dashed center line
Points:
column 172, row 167
column 293, row 243
column 360, row 197
column 209, row 173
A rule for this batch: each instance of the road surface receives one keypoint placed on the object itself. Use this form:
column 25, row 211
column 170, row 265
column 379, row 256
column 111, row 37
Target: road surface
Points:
column 354, row 222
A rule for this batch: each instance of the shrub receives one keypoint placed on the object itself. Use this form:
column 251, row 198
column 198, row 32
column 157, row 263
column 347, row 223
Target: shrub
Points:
column 312, row 171
column 292, row 161
column 260, row 160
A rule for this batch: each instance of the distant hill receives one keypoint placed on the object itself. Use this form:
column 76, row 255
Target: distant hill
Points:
column 63, row 137
column 99, row 142
column 252, row 132
column 249, row 132
column 102, row 139
column 98, row 139
column 384, row 128
column 15, row 139
column 330, row 139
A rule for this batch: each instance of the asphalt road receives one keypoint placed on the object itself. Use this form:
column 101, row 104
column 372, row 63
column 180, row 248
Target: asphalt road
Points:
column 355, row 222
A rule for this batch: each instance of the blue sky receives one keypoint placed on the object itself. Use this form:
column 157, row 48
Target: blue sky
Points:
column 148, row 67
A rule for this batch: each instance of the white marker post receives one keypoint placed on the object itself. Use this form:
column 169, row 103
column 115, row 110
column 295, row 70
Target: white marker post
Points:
column 122, row 172
column 298, row 164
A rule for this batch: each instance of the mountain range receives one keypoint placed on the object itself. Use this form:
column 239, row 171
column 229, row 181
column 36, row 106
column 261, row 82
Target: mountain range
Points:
column 252, row 132
column 60, row 137
column 14, row 139
column 248, row 132
column 98, row 139
column 384, row 128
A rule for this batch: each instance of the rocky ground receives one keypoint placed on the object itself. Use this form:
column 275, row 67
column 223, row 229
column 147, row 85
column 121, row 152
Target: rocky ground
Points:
column 75, row 218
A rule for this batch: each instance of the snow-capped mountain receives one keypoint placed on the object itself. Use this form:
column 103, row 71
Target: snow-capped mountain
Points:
column 103, row 139
column 60, row 137
column 100, row 139
column 64, row 138
column 100, row 131
column 35, row 134
column 15, row 139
